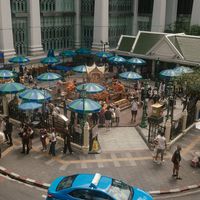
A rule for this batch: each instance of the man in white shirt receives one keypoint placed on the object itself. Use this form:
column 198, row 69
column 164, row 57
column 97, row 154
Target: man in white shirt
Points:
column 134, row 109
column 161, row 141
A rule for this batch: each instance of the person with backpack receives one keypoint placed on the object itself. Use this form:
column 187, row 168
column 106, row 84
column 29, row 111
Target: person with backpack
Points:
column 176, row 159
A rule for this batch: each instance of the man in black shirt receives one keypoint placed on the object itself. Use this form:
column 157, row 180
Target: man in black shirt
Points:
column 176, row 159
column 108, row 118
column 8, row 130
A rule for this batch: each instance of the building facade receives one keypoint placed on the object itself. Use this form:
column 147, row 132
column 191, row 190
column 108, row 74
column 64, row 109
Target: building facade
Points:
column 31, row 27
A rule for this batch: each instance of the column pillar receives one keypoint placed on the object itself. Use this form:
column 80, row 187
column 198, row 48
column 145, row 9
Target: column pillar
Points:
column 35, row 40
column 171, row 13
column 86, row 138
column 77, row 24
column 195, row 20
column 158, row 18
column 184, row 116
column 5, row 105
column 197, row 110
column 101, row 23
column 6, row 33
column 135, row 17
column 168, row 127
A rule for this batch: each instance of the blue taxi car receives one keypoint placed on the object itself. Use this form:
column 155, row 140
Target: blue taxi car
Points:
column 93, row 187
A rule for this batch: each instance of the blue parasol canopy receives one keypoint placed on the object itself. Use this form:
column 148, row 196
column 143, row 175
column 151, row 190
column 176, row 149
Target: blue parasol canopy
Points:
column 84, row 106
column 91, row 88
column 19, row 59
column 83, row 51
column 136, row 61
column 29, row 106
column 50, row 60
column 117, row 60
column 80, row 69
column 103, row 54
column 61, row 68
column 183, row 70
column 11, row 88
column 35, row 95
column 6, row 74
column 67, row 53
column 130, row 76
column 169, row 73
column 49, row 77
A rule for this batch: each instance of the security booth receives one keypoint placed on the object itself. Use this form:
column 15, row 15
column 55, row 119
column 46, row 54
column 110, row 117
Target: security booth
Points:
column 155, row 121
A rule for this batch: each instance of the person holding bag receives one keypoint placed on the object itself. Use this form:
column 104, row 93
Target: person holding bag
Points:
column 52, row 149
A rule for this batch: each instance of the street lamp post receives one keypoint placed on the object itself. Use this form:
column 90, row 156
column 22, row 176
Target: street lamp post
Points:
column 170, row 102
column 104, row 45
column 143, row 123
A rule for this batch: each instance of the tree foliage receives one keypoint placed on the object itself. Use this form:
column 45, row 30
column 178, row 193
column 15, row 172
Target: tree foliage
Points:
column 191, row 89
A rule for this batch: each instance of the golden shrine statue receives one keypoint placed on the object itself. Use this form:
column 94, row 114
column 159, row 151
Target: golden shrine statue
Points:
column 95, row 74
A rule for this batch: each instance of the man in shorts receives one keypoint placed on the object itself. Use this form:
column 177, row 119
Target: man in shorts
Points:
column 161, row 146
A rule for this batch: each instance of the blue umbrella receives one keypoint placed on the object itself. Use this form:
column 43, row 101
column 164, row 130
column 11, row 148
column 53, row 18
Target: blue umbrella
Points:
column 80, row 69
column 183, row 70
column 35, row 95
column 117, row 60
column 49, row 77
column 103, row 54
column 19, row 59
column 91, row 88
column 50, row 60
column 84, row 106
column 6, row 74
column 83, row 51
column 61, row 68
column 29, row 106
column 11, row 88
column 169, row 73
column 136, row 61
column 67, row 53
column 130, row 76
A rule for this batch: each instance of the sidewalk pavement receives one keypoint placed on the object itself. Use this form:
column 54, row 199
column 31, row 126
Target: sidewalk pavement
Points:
column 124, row 156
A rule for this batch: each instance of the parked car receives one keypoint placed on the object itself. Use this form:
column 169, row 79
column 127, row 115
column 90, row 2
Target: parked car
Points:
column 93, row 187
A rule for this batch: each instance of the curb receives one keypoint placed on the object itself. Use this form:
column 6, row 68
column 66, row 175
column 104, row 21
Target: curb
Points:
column 175, row 190
column 29, row 181
column 26, row 180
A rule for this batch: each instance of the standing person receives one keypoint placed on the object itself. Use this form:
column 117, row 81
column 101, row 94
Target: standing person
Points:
column 43, row 136
column 2, row 139
column 117, row 113
column 161, row 146
column 67, row 141
column 9, row 129
column 52, row 149
column 25, row 140
column 108, row 118
column 176, row 159
column 31, row 135
column 3, row 128
column 134, row 109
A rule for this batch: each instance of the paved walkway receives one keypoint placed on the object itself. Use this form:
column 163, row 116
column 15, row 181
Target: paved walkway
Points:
column 126, row 158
